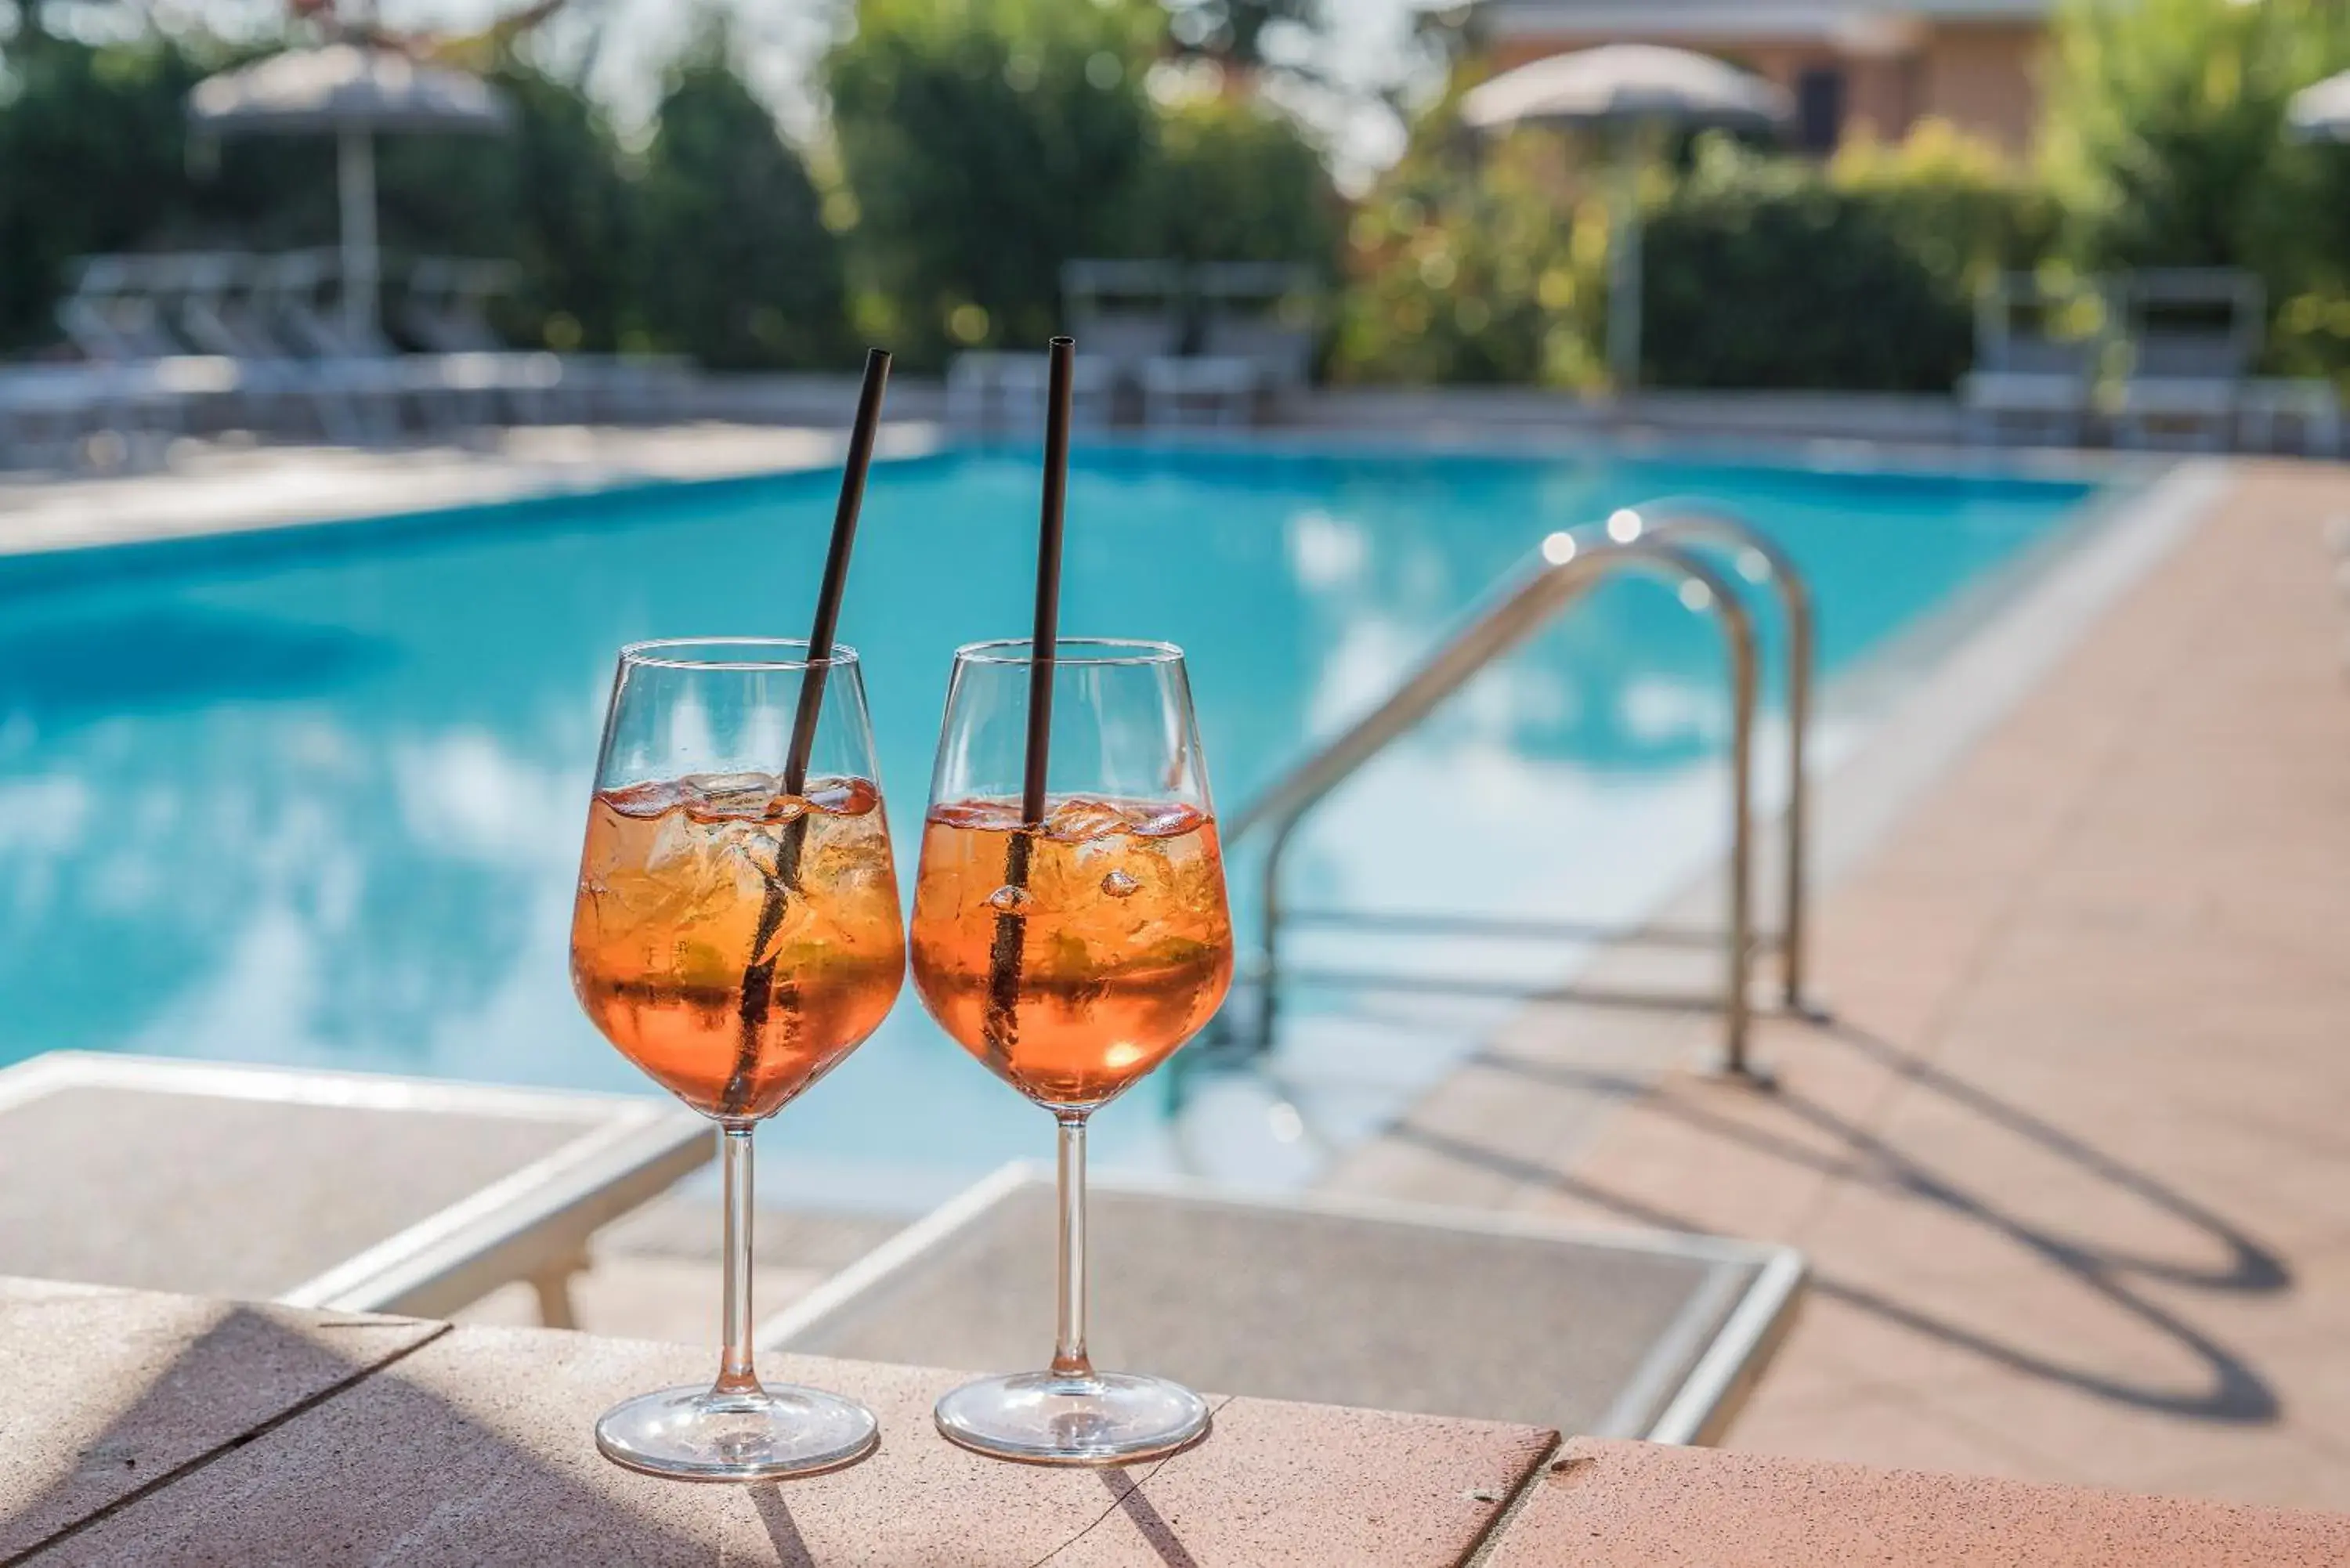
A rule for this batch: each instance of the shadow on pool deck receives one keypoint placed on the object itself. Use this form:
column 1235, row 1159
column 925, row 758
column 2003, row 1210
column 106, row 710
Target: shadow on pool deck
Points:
column 2236, row 1392
column 2071, row 1169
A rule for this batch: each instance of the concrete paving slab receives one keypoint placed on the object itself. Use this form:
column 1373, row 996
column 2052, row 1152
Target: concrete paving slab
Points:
column 2074, row 1143
column 224, row 488
column 1927, row 1437
column 112, row 1392
column 479, row 1448
column 1262, row 1492
column 483, row 1451
column 1632, row 1505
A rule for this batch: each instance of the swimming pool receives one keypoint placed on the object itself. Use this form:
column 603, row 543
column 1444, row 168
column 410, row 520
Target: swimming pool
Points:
column 314, row 795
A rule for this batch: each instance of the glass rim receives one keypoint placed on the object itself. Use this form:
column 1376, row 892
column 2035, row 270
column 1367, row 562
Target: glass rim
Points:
column 665, row 653
column 1116, row 651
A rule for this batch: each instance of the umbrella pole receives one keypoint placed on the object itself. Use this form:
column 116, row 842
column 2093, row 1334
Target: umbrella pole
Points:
column 1624, row 269
column 355, row 183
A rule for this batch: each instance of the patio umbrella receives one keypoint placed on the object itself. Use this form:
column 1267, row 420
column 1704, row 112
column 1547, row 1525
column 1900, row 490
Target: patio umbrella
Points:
column 352, row 91
column 1630, row 88
column 2321, row 113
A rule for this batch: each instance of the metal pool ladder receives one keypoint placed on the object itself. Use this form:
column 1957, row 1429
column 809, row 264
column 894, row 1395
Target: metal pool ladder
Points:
column 1671, row 539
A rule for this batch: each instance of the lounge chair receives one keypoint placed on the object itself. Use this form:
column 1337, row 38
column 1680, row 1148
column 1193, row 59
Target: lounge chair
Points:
column 445, row 306
column 66, row 416
column 444, row 309
column 142, row 381
column 1256, row 347
column 2025, row 374
column 1002, row 395
column 2193, row 334
column 1214, row 390
column 225, row 307
column 362, row 368
column 1442, row 1312
column 1125, row 314
column 115, row 314
column 2266, row 405
column 49, row 413
column 349, row 1191
column 1265, row 313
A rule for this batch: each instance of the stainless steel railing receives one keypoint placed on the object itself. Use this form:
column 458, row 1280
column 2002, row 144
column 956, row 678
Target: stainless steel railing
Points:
column 1669, row 542
column 1759, row 558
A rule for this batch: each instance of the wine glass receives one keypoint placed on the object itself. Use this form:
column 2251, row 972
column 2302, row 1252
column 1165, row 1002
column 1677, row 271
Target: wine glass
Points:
column 736, row 935
column 1072, row 954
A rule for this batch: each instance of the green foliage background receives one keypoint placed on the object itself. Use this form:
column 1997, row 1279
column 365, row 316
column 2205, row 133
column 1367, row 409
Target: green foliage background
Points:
column 710, row 245
column 2166, row 145
column 737, row 268
column 983, row 143
column 975, row 146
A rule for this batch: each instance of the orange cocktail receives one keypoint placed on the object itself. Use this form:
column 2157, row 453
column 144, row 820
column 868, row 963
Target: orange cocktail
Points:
column 735, row 941
column 1082, row 973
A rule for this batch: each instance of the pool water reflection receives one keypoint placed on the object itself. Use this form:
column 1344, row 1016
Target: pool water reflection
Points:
column 316, row 797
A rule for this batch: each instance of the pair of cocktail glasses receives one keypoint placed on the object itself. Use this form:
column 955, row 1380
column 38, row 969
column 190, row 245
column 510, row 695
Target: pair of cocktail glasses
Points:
column 737, row 934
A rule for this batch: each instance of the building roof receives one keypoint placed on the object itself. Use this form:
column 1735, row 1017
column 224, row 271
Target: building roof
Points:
column 1853, row 19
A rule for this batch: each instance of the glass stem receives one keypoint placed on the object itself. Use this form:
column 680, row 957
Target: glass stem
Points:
column 734, row 1372
column 1069, row 1338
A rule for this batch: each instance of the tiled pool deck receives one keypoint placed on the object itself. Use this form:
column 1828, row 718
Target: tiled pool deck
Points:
column 168, row 1431
column 222, row 487
column 2073, row 1164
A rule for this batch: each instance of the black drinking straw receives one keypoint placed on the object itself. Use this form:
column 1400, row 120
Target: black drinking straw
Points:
column 835, row 573
column 1043, row 643
column 1011, row 928
column 759, row 977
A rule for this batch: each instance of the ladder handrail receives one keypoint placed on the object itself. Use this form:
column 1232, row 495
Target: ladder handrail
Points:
column 1703, row 522
column 1570, row 565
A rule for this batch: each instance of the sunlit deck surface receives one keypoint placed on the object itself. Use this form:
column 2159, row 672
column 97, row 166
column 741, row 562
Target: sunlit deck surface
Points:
column 2072, row 1165
column 167, row 1429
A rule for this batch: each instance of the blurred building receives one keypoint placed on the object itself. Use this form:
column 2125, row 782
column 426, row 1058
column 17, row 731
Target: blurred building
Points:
column 1853, row 68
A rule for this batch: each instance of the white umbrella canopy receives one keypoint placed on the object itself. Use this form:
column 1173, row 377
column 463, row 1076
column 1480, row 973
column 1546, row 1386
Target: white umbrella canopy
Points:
column 352, row 91
column 342, row 85
column 1628, row 83
column 2321, row 113
column 1632, row 86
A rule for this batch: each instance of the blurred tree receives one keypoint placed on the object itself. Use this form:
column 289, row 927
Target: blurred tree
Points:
column 94, row 156
column 551, row 194
column 92, row 153
column 1956, row 202
column 1228, row 179
column 1231, row 33
column 575, row 216
column 983, row 143
column 738, row 268
column 2165, row 143
column 1473, row 268
column 2163, row 124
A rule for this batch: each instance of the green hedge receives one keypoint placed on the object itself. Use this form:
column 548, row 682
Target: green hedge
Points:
column 1759, row 271
column 1860, row 275
column 1780, row 280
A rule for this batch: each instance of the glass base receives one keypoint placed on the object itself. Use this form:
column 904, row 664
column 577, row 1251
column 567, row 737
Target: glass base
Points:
column 1050, row 1418
column 699, row 1434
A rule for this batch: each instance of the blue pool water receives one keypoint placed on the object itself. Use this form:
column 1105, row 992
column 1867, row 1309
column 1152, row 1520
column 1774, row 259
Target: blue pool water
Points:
column 316, row 796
